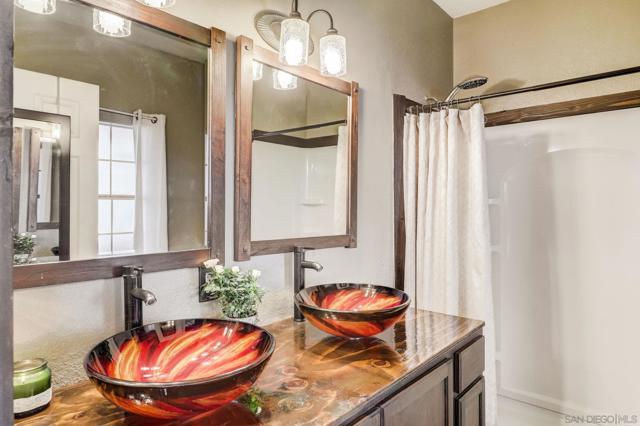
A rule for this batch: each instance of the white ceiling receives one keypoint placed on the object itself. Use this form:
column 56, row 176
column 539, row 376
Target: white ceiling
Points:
column 457, row 8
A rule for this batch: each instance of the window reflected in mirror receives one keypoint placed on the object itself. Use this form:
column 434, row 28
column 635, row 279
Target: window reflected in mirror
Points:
column 299, row 175
column 134, row 171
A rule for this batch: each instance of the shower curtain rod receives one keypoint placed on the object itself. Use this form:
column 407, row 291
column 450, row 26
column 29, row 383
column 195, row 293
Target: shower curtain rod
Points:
column 153, row 118
column 560, row 83
column 259, row 133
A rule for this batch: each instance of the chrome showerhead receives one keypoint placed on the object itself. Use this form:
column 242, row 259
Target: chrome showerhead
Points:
column 469, row 83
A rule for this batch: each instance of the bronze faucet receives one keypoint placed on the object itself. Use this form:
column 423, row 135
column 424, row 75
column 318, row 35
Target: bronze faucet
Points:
column 299, row 265
column 135, row 296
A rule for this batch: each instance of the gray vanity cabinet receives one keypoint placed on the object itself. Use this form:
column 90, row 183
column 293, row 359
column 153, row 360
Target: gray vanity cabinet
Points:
column 426, row 402
column 470, row 406
column 451, row 394
column 373, row 419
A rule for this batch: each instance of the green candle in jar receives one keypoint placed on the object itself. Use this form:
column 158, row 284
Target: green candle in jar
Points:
column 31, row 387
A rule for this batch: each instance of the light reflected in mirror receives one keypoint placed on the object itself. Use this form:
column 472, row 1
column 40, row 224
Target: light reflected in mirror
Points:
column 299, row 175
column 136, row 179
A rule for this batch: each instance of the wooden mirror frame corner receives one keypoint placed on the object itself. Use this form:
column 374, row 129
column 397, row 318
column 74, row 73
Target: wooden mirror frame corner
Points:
column 244, row 247
column 37, row 275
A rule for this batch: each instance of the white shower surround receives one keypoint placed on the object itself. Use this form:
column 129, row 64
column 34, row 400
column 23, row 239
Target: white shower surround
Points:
column 564, row 210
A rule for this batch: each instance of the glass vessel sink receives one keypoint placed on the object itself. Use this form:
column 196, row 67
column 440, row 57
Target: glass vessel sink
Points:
column 352, row 310
column 179, row 369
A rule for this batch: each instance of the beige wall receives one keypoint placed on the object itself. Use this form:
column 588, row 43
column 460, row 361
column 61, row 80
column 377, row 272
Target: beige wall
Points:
column 525, row 42
column 391, row 50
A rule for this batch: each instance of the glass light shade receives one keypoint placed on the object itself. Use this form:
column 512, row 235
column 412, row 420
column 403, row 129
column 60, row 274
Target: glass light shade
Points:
column 257, row 71
column 333, row 55
column 160, row 4
column 284, row 81
column 294, row 42
column 42, row 7
column 111, row 24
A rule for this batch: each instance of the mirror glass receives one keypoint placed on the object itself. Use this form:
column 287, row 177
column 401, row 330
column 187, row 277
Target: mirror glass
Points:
column 299, row 172
column 113, row 137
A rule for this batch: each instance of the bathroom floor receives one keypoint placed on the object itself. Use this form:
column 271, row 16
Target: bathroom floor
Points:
column 516, row 413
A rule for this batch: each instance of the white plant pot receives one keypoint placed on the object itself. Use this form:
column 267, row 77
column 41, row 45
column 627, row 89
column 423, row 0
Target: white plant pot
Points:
column 251, row 320
column 21, row 259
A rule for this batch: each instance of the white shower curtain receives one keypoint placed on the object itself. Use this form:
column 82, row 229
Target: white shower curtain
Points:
column 448, row 254
column 151, row 234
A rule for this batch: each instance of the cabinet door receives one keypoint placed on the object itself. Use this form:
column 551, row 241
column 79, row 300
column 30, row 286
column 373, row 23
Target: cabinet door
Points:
column 470, row 406
column 373, row 419
column 427, row 402
column 468, row 365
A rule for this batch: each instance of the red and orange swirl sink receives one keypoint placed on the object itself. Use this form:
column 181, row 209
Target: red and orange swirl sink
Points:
column 179, row 369
column 352, row 310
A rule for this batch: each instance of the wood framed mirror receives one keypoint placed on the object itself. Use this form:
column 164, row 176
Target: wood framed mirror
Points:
column 135, row 106
column 296, row 156
column 41, row 162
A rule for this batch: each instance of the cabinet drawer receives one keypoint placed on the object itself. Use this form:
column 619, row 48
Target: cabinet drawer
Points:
column 372, row 419
column 469, row 364
column 427, row 402
column 470, row 406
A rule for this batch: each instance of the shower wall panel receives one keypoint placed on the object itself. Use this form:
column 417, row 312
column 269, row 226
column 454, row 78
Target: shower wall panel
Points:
column 565, row 213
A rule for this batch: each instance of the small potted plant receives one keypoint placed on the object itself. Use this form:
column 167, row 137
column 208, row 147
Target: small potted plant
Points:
column 237, row 292
column 23, row 245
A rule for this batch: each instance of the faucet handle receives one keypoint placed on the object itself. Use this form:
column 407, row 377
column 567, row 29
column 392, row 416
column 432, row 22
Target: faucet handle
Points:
column 300, row 249
column 132, row 270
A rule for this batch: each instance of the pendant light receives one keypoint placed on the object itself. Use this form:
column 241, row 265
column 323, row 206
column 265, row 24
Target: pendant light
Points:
column 333, row 54
column 333, row 49
column 41, row 7
column 159, row 4
column 294, row 43
column 294, row 38
column 110, row 24
column 282, row 80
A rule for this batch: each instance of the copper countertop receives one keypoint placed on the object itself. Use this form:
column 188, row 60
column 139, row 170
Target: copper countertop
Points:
column 312, row 379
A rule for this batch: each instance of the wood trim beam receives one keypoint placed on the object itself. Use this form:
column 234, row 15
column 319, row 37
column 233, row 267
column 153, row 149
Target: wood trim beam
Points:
column 17, row 173
column 6, row 188
column 299, row 129
column 400, row 105
column 32, row 187
column 154, row 17
column 244, row 135
column 39, row 275
column 296, row 142
column 217, row 142
column 263, row 247
column 352, row 191
column 595, row 104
